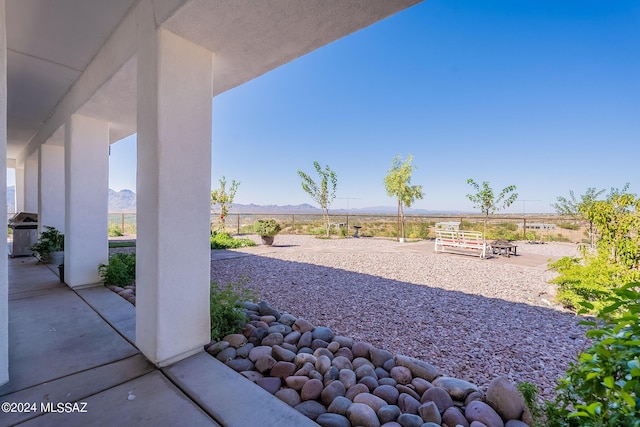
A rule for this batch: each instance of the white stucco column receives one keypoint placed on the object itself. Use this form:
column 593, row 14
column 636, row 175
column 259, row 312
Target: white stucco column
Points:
column 51, row 187
column 30, row 188
column 86, row 242
column 173, row 254
column 19, row 172
column 4, row 282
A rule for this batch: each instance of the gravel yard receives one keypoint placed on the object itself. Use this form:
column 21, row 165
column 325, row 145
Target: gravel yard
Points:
column 474, row 319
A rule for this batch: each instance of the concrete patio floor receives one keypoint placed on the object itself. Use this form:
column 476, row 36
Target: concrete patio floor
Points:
column 73, row 362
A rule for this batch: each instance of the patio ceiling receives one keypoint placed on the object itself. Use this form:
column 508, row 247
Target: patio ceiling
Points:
column 51, row 45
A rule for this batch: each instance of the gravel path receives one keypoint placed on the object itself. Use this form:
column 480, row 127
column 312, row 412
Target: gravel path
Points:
column 475, row 319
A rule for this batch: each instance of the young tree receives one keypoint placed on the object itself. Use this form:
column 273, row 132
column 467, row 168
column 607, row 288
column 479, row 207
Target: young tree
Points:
column 397, row 183
column 485, row 200
column 222, row 199
column 324, row 193
column 577, row 209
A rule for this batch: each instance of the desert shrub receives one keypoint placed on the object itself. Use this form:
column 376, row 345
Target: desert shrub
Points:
column 121, row 270
column 603, row 387
column 569, row 225
column 222, row 240
column 227, row 314
column 115, row 230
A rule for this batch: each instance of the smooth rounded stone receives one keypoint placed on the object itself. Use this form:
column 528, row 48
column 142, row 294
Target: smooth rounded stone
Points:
column 341, row 362
column 275, row 338
column 265, row 363
column 258, row 335
column 516, row 423
column 374, row 402
column 322, row 333
column 391, row 424
column 361, row 361
column 311, row 390
column 305, row 339
column 116, row 289
column 355, row 390
column 379, row 356
column 251, row 306
column 323, row 363
column 283, row 369
column 302, row 325
column 322, row 351
column 306, row 350
column 262, row 325
column 333, row 420
column 331, row 391
column 132, row 299
column 458, row 389
column 477, row 424
column 289, row 396
column 244, row 350
column 401, row 374
column 387, row 393
column 315, row 375
column 408, row 390
column 287, row 319
column 333, row 346
column 364, row 371
column 430, row 425
column 240, row 365
column 408, row 404
column 332, row 374
column 268, row 319
column 266, row 310
column 291, row 347
column 417, row 367
column 389, row 364
column 296, row 382
column 257, row 352
column 339, row 405
column 476, row 395
column 302, row 358
column 278, row 328
column 306, row 369
column 216, row 348
column 283, row 355
column 347, row 377
column 387, row 381
column 292, row 338
column 381, row 373
column 421, row 385
column 235, row 340
column 388, row 413
column 480, row 411
column 361, row 349
column 344, row 352
column 251, row 375
column 360, row 414
column 311, row 409
column 248, row 329
column 343, row 341
column 505, row 398
column 317, row 343
column 227, row 354
column 125, row 293
column 270, row 384
column 454, row 417
column 409, row 420
column 439, row 396
column 370, row 382
column 430, row 413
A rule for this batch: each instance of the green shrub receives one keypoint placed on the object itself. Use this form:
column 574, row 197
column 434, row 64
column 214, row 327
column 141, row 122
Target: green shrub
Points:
column 115, row 231
column 227, row 314
column 266, row 227
column 603, row 387
column 569, row 225
column 530, row 394
column 121, row 270
column 221, row 240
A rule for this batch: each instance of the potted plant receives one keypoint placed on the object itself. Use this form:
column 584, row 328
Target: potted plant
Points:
column 266, row 229
column 50, row 246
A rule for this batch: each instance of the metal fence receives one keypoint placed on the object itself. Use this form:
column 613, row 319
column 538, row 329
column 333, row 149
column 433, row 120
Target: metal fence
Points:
column 508, row 227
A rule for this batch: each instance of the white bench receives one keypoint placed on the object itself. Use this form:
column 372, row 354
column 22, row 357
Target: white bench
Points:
column 460, row 241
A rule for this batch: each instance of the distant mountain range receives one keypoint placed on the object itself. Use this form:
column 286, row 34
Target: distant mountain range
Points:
column 125, row 201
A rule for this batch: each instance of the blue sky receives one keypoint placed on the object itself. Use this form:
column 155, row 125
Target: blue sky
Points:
column 541, row 94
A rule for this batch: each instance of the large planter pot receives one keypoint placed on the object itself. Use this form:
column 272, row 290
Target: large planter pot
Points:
column 56, row 258
column 267, row 240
